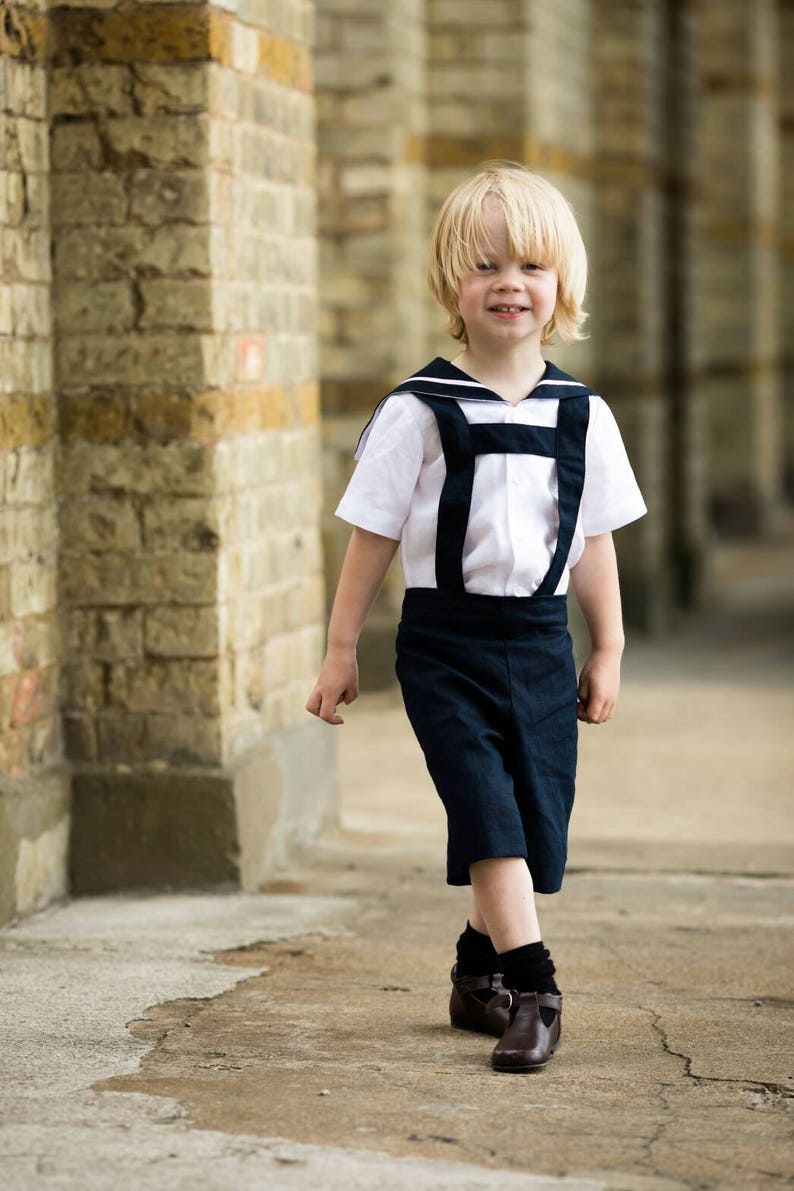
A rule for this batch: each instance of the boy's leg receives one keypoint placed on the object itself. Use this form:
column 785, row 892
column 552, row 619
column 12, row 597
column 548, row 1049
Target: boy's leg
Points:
column 505, row 897
column 506, row 900
column 476, row 919
column 502, row 886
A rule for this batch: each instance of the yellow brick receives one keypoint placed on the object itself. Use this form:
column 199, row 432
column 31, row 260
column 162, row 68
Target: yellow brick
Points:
column 220, row 37
column 188, row 738
column 23, row 34
column 179, row 32
column 26, row 421
column 100, row 523
column 165, row 685
column 471, row 150
column 93, row 419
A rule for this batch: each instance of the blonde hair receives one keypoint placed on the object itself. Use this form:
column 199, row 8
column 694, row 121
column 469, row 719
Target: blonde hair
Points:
column 541, row 226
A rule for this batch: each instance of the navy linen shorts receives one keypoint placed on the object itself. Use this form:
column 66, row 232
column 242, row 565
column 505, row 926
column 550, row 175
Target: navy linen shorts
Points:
column 489, row 685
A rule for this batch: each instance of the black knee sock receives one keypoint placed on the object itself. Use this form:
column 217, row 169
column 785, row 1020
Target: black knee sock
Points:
column 476, row 954
column 529, row 968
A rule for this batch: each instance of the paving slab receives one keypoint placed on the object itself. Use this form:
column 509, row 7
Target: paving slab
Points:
column 89, row 989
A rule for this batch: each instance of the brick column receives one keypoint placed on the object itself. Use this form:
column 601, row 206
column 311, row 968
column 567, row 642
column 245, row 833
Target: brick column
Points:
column 33, row 783
column 785, row 74
column 739, row 292
column 511, row 79
column 632, row 255
column 370, row 80
column 689, row 534
column 478, row 99
column 182, row 196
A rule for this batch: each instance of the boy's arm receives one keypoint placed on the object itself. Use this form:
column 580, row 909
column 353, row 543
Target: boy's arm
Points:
column 364, row 568
column 594, row 579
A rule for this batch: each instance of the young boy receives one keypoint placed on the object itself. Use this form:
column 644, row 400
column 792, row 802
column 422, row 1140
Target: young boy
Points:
column 499, row 476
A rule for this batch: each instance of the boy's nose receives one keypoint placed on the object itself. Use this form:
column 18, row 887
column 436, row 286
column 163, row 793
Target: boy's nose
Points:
column 509, row 287
column 511, row 277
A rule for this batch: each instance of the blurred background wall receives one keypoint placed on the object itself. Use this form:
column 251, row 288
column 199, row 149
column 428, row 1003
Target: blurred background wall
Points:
column 213, row 225
column 665, row 123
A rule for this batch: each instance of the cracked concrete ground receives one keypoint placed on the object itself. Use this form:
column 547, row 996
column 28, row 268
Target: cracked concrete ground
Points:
column 299, row 1038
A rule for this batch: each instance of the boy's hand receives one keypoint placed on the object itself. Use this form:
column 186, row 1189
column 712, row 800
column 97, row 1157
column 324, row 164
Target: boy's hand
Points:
column 599, row 683
column 337, row 683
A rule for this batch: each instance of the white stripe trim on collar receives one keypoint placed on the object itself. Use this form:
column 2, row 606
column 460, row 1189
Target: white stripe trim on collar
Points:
column 551, row 381
column 475, row 384
column 440, row 380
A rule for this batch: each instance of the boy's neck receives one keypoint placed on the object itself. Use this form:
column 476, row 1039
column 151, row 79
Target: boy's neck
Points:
column 510, row 374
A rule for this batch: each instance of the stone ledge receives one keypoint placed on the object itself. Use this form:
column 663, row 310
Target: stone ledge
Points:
column 193, row 828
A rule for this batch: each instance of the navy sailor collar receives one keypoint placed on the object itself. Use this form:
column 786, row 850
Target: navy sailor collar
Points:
column 441, row 378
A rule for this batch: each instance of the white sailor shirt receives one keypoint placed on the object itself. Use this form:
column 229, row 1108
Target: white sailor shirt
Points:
column 512, row 529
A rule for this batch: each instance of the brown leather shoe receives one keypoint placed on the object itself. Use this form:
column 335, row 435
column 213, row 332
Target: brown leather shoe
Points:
column 527, row 1043
column 469, row 1012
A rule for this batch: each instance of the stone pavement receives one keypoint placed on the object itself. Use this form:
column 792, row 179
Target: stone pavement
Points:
column 299, row 1038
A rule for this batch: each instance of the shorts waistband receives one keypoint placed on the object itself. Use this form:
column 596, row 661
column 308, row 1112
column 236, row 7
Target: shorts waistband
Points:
column 478, row 612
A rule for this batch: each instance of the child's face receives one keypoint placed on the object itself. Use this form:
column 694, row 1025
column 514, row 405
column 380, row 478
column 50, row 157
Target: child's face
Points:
column 500, row 281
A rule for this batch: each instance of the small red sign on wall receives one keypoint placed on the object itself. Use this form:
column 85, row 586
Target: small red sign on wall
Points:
column 251, row 358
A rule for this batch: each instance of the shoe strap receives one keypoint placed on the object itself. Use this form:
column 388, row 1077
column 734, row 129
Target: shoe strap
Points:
column 551, row 1000
column 471, row 983
column 511, row 998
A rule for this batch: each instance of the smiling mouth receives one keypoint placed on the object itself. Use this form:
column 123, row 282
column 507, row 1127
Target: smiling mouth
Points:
column 508, row 309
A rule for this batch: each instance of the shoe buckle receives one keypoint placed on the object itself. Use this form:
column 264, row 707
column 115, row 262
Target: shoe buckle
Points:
column 502, row 1000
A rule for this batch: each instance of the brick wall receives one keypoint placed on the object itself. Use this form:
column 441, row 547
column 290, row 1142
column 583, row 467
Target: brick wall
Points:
column 186, row 369
column 132, row 303
column 33, row 792
column 264, row 306
column 739, row 289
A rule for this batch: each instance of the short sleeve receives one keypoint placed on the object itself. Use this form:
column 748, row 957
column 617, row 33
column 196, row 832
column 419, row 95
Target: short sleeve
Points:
column 611, row 496
column 378, row 496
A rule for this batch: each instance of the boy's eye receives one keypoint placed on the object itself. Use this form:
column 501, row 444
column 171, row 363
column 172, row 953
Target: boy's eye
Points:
column 484, row 266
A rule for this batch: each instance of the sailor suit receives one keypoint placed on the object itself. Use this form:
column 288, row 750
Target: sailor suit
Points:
column 491, row 503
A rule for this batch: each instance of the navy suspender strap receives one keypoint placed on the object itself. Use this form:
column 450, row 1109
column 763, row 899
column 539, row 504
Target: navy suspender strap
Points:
column 455, row 502
column 494, row 438
column 462, row 441
column 573, row 416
